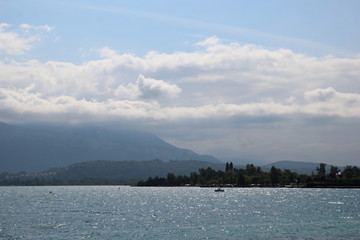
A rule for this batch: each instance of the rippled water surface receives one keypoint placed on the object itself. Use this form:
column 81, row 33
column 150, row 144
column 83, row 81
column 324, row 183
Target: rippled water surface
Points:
column 110, row 212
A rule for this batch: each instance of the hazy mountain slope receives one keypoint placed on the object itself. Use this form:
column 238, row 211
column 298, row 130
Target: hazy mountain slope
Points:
column 37, row 148
column 131, row 169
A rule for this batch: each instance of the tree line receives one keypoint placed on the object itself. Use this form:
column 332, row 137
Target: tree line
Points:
column 254, row 176
column 248, row 176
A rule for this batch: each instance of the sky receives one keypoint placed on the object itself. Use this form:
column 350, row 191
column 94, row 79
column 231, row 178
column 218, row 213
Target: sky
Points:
column 246, row 81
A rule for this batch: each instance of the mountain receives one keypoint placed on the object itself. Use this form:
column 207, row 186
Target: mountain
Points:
column 299, row 167
column 37, row 148
column 104, row 169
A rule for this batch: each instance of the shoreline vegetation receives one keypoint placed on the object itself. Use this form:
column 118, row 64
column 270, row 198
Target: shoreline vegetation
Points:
column 249, row 176
column 252, row 176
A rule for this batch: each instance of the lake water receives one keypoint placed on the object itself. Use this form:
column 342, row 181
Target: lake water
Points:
column 112, row 212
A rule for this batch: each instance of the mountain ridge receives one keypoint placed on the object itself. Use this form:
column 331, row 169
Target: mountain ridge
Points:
column 156, row 167
column 130, row 169
column 38, row 148
column 296, row 166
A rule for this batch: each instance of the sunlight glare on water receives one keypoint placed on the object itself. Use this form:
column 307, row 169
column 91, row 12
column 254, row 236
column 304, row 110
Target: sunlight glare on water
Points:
column 112, row 212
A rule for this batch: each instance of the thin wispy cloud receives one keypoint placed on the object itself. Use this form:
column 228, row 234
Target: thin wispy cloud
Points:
column 220, row 28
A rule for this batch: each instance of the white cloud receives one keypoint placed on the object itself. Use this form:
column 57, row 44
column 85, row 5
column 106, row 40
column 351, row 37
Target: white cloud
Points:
column 332, row 103
column 12, row 43
column 222, row 81
column 211, row 41
column 224, row 94
column 152, row 88
column 15, row 43
column 106, row 52
column 320, row 94
column 24, row 101
column 330, row 95
column 28, row 27
column 148, row 88
column 4, row 26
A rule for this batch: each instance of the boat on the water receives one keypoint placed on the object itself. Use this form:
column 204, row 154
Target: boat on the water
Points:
column 219, row 190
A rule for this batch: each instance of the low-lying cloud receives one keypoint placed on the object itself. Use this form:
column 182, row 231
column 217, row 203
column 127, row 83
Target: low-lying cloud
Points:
column 24, row 102
column 215, row 84
column 222, row 80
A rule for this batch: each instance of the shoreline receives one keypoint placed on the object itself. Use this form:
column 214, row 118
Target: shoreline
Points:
column 214, row 187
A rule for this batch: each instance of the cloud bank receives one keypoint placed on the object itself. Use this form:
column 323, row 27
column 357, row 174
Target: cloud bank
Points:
column 244, row 95
column 219, row 80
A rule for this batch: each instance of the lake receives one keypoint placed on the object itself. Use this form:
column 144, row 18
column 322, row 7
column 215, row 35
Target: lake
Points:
column 121, row 212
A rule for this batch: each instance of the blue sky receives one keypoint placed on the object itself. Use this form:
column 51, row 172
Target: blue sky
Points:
column 258, row 80
column 310, row 27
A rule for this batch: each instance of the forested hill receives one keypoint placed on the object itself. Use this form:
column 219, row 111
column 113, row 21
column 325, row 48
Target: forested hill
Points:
column 123, row 170
column 38, row 148
column 181, row 173
column 131, row 169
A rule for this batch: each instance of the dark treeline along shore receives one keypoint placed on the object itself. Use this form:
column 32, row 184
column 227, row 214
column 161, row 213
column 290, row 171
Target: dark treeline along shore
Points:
column 252, row 176
column 177, row 173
